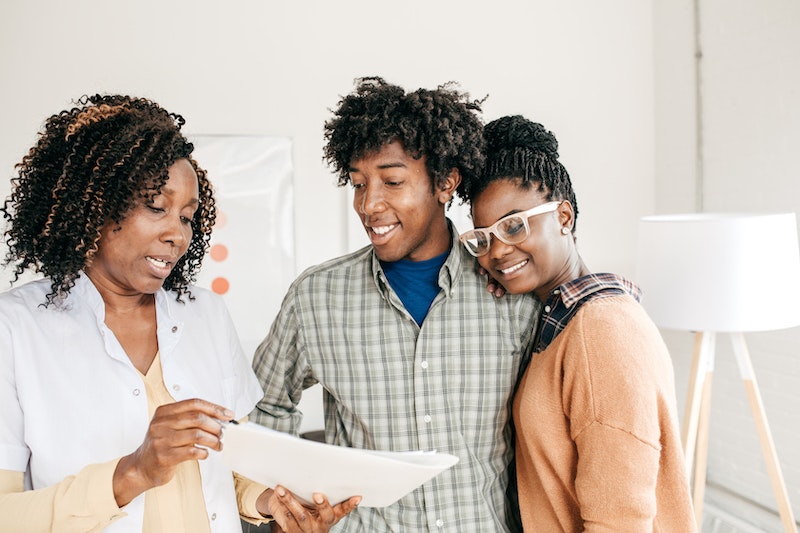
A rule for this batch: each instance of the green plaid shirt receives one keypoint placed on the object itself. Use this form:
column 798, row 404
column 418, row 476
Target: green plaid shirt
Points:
column 392, row 385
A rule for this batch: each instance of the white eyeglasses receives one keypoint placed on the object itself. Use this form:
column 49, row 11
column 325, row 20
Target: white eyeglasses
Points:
column 511, row 229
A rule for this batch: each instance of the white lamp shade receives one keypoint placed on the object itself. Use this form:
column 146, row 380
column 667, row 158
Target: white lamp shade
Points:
column 720, row 272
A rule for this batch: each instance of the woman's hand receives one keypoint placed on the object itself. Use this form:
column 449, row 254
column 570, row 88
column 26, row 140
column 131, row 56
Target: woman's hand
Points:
column 178, row 432
column 291, row 516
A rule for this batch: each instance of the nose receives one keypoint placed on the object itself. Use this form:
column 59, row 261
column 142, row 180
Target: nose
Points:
column 497, row 248
column 175, row 231
column 371, row 200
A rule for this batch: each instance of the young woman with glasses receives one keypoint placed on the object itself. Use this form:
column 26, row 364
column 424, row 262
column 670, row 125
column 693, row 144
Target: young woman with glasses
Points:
column 598, row 445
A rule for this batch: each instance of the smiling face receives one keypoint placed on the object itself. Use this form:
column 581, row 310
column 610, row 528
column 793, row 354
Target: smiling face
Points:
column 544, row 260
column 402, row 214
column 136, row 256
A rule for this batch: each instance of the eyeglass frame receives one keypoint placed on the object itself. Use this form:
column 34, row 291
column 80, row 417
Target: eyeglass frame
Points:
column 541, row 209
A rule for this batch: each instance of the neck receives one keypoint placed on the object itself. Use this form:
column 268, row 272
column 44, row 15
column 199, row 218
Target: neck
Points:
column 573, row 269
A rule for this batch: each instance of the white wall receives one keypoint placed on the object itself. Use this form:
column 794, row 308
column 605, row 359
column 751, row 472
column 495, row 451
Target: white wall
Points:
column 749, row 141
column 275, row 68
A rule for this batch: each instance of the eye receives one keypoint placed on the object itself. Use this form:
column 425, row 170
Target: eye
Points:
column 155, row 209
column 512, row 226
column 186, row 220
column 356, row 186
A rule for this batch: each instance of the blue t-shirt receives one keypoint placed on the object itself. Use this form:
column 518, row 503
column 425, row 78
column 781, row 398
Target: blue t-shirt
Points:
column 415, row 282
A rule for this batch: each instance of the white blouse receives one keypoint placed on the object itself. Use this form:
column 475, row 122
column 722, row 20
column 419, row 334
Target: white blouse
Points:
column 70, row 396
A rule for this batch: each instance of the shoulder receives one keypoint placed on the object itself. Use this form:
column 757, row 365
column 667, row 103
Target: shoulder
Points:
column 614, row 331
column 617, row 314
column 26, row 296
column 343, row 267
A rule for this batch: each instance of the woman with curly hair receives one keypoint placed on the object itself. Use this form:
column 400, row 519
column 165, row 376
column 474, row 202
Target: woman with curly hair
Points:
column 117, row 374
column 598, row 447
column 410, row 350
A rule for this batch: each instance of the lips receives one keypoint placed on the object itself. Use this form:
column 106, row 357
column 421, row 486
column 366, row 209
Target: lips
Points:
column 380, row 233
column 506, row 271
column 382, row 230
column 160, row 266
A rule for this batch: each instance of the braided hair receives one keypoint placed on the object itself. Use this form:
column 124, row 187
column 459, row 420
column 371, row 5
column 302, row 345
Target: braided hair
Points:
column 521, row 150
column 441, row 124
column 91, row 165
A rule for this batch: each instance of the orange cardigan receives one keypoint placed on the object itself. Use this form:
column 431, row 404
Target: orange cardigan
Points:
column 598, row 445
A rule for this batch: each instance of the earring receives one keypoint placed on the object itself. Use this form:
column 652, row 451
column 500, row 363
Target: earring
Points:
column 564, row 230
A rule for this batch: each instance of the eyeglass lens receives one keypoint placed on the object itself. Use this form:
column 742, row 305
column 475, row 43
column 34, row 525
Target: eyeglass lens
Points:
column 511, row 230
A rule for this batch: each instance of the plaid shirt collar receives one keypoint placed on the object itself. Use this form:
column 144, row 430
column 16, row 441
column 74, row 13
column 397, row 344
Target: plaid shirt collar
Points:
column 566, row 299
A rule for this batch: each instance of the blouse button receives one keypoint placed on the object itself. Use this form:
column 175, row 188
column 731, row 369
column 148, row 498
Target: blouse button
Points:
column 424, row 364
column 136, row 392
column 174, row 329
column 176, row 387
column 546, row 308
column 427, row 418
column 213, row 516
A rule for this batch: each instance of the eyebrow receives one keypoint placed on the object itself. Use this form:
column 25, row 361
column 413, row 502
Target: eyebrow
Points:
column 397, row 164
column 170, row 191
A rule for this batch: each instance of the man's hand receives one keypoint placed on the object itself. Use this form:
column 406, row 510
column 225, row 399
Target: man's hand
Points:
column 492, row 286
column 291, row 516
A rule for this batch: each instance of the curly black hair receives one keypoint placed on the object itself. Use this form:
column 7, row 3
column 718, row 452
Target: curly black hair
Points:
column 441, row 124
column 91, row 165
column 519, row 149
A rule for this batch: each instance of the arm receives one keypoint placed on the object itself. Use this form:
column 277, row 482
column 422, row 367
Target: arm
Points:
column 612, row 390
column 282, row 371
column 79, row 503
column 615, row 480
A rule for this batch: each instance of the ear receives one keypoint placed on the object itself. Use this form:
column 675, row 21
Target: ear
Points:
column 445, row 192
column 566, row 215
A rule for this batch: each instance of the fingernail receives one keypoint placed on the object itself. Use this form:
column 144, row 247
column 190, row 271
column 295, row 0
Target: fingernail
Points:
column 228, row 413
column 318, row 499
column 281, row 491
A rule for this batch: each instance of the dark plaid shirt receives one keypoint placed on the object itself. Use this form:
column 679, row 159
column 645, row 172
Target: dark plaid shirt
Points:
column 566, row 299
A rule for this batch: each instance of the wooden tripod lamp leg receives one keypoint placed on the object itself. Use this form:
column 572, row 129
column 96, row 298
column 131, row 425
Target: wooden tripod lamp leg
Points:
column 764, row 434
column 696, row 418
column 693, row 400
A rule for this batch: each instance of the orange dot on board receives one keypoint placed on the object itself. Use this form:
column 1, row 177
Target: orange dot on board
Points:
column 220, row 285
column 219, row 252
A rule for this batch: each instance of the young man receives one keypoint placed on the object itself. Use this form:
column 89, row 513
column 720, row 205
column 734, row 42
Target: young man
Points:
column 411, row 350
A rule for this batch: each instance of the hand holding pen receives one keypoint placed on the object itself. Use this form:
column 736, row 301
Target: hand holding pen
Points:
column 180, row 431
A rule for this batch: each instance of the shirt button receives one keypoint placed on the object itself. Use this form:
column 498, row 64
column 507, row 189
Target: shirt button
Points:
column 427, row 418
column 546, row 308
column 213, row 516
column 176, row 387
column 439, row 523
column 136, row 392
column 557, row 291
column 424, row 364
column 174, row 329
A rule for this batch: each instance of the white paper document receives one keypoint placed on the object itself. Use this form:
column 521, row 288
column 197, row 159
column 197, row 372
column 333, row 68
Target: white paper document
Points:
column 305, row 467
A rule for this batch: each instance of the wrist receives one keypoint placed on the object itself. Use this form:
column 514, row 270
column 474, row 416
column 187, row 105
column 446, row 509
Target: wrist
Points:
column 128, row 482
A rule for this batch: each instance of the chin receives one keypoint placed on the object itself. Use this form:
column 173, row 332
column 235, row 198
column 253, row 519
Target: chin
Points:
column 517, row 287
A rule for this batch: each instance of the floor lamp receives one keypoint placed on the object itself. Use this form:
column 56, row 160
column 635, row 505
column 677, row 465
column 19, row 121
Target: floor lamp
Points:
column 721, row 274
